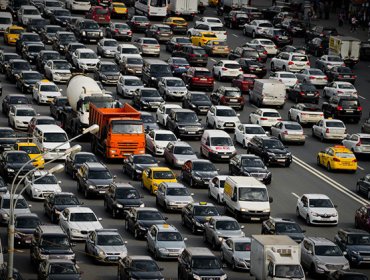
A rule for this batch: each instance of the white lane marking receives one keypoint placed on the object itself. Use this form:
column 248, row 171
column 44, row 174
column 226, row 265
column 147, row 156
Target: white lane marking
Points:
column 19, row 251
column 361, row 97
column 330, row 181
column 295, row 195
column 214, row 60
column 235, row 35
column 359, row 167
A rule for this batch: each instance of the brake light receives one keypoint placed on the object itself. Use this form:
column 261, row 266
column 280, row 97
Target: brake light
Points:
column 355, row 160
column 223, row 69
column 311, row 77
column 145, row 46
column 195, row 78
column 116, row 30
column 336, row 159
column 290, row 63
column 339, row 91
column 175, row 66
column 263, row 119
column 280, row 119
column 192, row 55
column 325, row 78
column 339, row 108
column 285, row 132
column 308, row 63
column 205, row 55
column 359, row 143
column 225, row 33
column 340, row 76
column 327, row 130
column 302, row 93
column 359, row 108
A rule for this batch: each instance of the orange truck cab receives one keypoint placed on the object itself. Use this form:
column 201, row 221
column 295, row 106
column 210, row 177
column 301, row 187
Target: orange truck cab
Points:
column 121, row 131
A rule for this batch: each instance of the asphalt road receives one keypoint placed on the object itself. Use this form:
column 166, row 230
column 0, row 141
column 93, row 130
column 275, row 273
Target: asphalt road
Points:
column 303, row 176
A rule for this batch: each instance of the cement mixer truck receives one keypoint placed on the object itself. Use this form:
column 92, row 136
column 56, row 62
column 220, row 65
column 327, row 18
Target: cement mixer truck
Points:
column 81, row 91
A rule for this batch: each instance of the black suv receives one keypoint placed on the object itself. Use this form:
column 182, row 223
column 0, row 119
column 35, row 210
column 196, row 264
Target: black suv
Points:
column 62, row 40
column 11, row 162
column 25, row 227
column 270, row 150
column 199, row 263
column 197, row 101
column 195, row 214
column 134, row 165
column 251, row 166
column 120, row 197
column 279, row 226
column 198, row 172
column 343, row 107
column 75, row 160
column 363, row 185
column 236, row 19
column 16, row 66
column 147, row 98
column 7, row 138
column 27, row 79
column 26, row 37
column 93, row 178
column 139, row 267
column 184, row 122
column 154, row 69
column 88, row 30
column 194, row 55
column 57, row 202
column 50, row 241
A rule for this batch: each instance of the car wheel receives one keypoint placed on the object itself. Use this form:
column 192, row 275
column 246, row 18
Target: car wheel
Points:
column 191, row 183
column 233, row 267
column 308, row 221
column 204, row 237
column 193, row 229
column 297, row 213
column 114, row 215
column 244, row 32
column 368, row 195
column 219, row 77
column 183, row 221
column 328, row 167
column 253, row 34
column 318, row 161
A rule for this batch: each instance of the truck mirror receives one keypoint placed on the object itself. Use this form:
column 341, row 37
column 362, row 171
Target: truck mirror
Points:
column 271, row 199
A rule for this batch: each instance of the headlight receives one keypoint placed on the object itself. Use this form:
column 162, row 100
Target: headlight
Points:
column 334, row 215
column 144, row 102
column 83, row 33
column 5, row 215
column 17, row 121
column 220, row 122
column 101, row 33
column 266, row 210
column 106, row 51
column 91, row 187
column 223, row 277
column 101, row 254
column 153, row 78
column 141, row 227
column 142, row 205
column 103, row 76
column 172, row 203
column 73, row 230
column 314, row 214
column 163, row 250
column 220, row 239
column 158, row 147
column 197, row 178
column 10, row 170
column 270, row 154
column 319, row 263
column 119, row 205
column 243, row 210
column 37, row 190
column 196, row 277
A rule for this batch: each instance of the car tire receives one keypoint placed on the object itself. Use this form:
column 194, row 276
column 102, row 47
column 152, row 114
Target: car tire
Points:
column 191, row 183
column 214, row 245
column 272, row 67
column 328, row 167
column 193, row 229
column 297, row 212
column 204, row 237
column 233, row 267
column 183, row 223
column 253, row 34
column 114, row 215
column 209, row 193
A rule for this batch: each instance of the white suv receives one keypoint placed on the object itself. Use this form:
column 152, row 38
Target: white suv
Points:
column 222, row 117
column 41, row 184
column 359, row 143
column 292, row 62
column 227, row 69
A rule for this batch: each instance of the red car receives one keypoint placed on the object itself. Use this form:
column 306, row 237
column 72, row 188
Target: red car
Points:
column 244, row 82
column 100, row 14
column 362, row 218
column 199, row 78
column 228, row 96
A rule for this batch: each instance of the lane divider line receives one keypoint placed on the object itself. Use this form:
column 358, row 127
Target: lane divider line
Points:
column 359, row 167
column 361, row 97
column 295, row 195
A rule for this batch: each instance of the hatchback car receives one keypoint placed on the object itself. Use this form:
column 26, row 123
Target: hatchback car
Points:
column 177, row 153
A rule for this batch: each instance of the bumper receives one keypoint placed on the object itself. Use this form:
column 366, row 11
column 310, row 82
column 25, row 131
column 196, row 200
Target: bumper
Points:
column 324, row 221
column 176, row 95
column 23, row 241
column 225, row 126
column 220, row 156
column 91, row 39
column 41, row 195
column 109, row 81
column 150, row 106
column 279, row 161
column 61, row 79
column 151, row 51
column 97, row 191
column 21, row 126
column 339, row 166
column 121, row 36
column 169, row 254
column 186, row 133
column 202, row 85
column 349, row 116
column 334, row 136
column 254, row 215
column 358, row 259
column 201, row 110
column 294, row 138
column 53, row 155
column 89, row 68
column 202, row 183
column 79, row 236
column 176, row 207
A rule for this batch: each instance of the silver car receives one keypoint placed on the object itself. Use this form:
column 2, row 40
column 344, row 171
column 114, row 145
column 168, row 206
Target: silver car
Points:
column 237, row 252
column 288, row 131
column 107, row 47
column 173, row 196
column 20, row 208
column 165, row 241
column 220, row 228
column 177, row 153
column 127, row 85
column 172, row 88
column 106, row 246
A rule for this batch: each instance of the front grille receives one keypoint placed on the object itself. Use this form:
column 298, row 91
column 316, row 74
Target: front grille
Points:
column 173, row 250
column 210, row 278
column 205, row 108
column 255, row 212
column 192, row 128
column 113, row 254
column 127, row 144
column 101, row 186
column 334, row 266
column 93, row 34
column 258, row 175
column 229, row 124
column 365, row 254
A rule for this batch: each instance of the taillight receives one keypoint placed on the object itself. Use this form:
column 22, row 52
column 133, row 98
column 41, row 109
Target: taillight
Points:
column 129, row 32
column 359, row 143
column 195, row 78
column 192, row 55
column 263, row 119
column 336, row 159
column 339, row 108
column 359, row 108
column 355, row 160
column 340, row 76
column 311, row 77
column 327, row 130
column 279, row 120
column 285, row 132
column 116, row 30
column 290, row 63
column 308, row 63
column 265, row 52
column 325, row 78
column 223, row 69
column 302, row 93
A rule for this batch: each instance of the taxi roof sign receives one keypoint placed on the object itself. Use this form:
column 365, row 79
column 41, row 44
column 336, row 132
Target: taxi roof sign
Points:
column 203, row 203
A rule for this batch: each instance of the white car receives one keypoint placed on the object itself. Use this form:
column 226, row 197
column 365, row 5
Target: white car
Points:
column 78, row 5
column 213, row 20
column 163, row 112
column 216, row 188
column 358, row 143
column 216, row 28
column 125, row 49
column 317, row 209
column 257, row 28
column 20, row 116
column 269, row 45
column 329, row 129
column 265, row 117
column 85, row 59
column 45, row 91
column 305, row 113
column 338, row 89
column 227, row 69
column 157, row 141
column 172, row 88
column 291, row 62
column 245, row 132
column 148, row 46
column 107, row 47
column 41, row 184
column 288, row 131
column 127, row 85
column 222, row 117
column 287, row 78
column 313, row 76
column 58, row 70
column 78, row 222
column 27, row 12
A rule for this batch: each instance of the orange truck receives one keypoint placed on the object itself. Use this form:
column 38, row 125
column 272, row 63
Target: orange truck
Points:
column 121, row 131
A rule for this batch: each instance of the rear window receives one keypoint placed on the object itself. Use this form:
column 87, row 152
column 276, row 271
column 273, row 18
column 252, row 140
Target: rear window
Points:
column 199, row 51
column 334, row 58
column 287, row 75
column 271, row 114
column 293, row 127
column 299, row 58
column 217, row 28
column 334, row 124
column 349, row 103
column 316, row 72
column 266, row 25
column 203, row 73
column 346, row 86
column 232, row 66
column 164, row 28
column 101, row 11
column 150, row 41
column 209, row 35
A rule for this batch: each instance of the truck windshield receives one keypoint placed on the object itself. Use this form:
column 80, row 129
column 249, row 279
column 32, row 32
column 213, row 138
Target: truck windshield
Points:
column 288, row 271
column 253, row 194
column 121, row 127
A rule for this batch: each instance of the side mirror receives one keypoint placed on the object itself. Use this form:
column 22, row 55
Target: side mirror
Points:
column 241, row 227
column 238, row 115
column 185, row 239
column 59, row 182
column 100, row 219
column 165, row 218
column 60, row 90
column 29, row 205
column 114, row 176
column 192, row 194
column 271, row 200
column 161, row 269
column 335, row 206
column 309, row 252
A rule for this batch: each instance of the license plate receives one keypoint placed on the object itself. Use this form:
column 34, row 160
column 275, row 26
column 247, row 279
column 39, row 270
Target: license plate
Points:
column 258, row 69
column 309, row 94
column 349, row 111
column 191, row 132
column 203, row 79
column 346, row 76
column 113, row 258
column 255, row 219
column 50, row 99
column 224, row 156
column 284, row 37
column 101, row 191
column 28, row 241
column 228, row 124
column 234, row 100
column 281, row 160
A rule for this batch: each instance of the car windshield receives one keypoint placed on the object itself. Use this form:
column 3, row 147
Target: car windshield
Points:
column 15, row 31
column 233, row 93
column 227, row 225
column 18, row 100
column 7, row 133
column 163, row 175
column 30, row 12
column 31, row 38
column 85, row 158
column 287, row 228
column 308, row 87
column 175, row 83
column 31, row 76
column 346, row 86
column 62, row 65
column 29, row 149
column 83, row 217
column 27, row 222
column 187, row 117
column 25, row 113
column 321, row 203
column 55, row 137
column 272, row 144
column 183, row 150
column 291, row 126
column 121, row 26
column 287, row 76
column 17, row 158
column 109, row 240
column 165, row 137
column 45, row 180
column 150, row 93
column 254, row 130
column 252, row 162
column 299, row 58
column 328, row 251
column 125, row 193
column 205, row 263
column 335, row 124
column 199, row 97
column 99, row 174
column 49, row 88
column 365, row 140
column 289, row 271
column 90, row 55
column 164, row 28
column 144, row 160
column 21, row 203
column 169, row 236
column 129, row 50
column 54, row 242
column 149, row 215
column 133, row 82
column 177, row 192
column 225, row 113
column 334, row 59
column 141, row 19
column 242, row 246
column 34, row 49
column 49, row 56
column 59, row 13
column 204, row 166
column 135, row 61
column 66, row 200
column 253, row 194
column 110, row 43
column 63, row 268
column 221, row 141
column 144, row 265
column 110, row 68
column 200, row 51
column 204, row 73
column 150, row 41
column 124, row 127
column 316, row 72
column 21, row 66
column 205, row 211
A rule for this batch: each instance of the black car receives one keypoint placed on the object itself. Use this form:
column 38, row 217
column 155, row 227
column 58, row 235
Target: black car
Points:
column 88, row 30
column 270, row 150
column 7, row 139
column 236, row 19
column 139, row 267
column 5, row 58
column 139, row 220
column 16, row 66
column 11, row 162
column 30, row 51
column 147, row 98
column 341, row 73
column 346, row 275
column 251, row 166
column 244, row 52
column 280, row 37
column 178, row 65
column 303, row 93
column 343, row 107
column 195, row 214
column 279, row 226
column 251, row 66
column 25, row 226
column 13, row 99
column 75, row 160
column 60, row 17
column 185, row 123
column 197, row 101
column 57, row 105
column 58, row 269
column 138, row 23
column 320, row 31
column 121, row 197
column 195, row 55
column 36, row 24
column 365, row 51
column 134, row 165
column 198, row 172
column 107, row 72
column 70, row 49
column 270, row 12
column 363, row 186
column 43, row 57
column 62, row 39
column 317, row 46
column 55, row 203
column 26, row 37
column 176, row 43
column 26, row 80
column 48, row 33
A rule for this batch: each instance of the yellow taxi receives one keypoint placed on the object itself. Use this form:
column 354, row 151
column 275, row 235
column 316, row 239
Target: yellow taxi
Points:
column 337, row 158
column 12, row 34
column 202, row 38
column 217, row 47
column 153, row 176
column 177, row 24
column 119, row 10
column 33, row 151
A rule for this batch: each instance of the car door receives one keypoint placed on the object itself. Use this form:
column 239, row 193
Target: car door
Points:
column 239, row 134
column 276, row 128
column 168, row 153
column 188, row 214
column 212, row 116
column 161, row 193
column 151, row 238
column 90, row 243
column 63, row 221
column 146, row 178
column 150, row 141
column 306, row 254
column 228, row 253
column 217, row 68
column 214, row 187
column 303, row 206
column 317, row 128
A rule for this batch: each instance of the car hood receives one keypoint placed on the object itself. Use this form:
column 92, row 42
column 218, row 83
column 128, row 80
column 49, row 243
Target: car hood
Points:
column 244, row 255
column 108, row 73
column 323, row 211
column 185, row 157
column 206, row 174
column 209, row 272
column 99, row 182
column 23, row 119
column 189, row 124
column 7, row 141
column 17, row 166
column 152, row 275
column 113, row 249
column 152, row 99
column 255, row 170
column 108, row 48
column 132, row 88
column 144, row 166
column 149, row 223
column 64, row 277
column 177, row 88
column 88, row 226
column 171, row 244
column 25, row 230
column 359, row 248
column 52, row 145
column 45, row 187
column 277, row 151
column 88, row 60
column 130, row 201
column 230, row 233
column 62, row 207
column 162, row 144
column 202, row 103
column 228, row 119
column 338, row 260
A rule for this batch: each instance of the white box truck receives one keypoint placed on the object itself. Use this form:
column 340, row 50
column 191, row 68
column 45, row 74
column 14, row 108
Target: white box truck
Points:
column 275, row 257
column 348, row 48
column 185, row 8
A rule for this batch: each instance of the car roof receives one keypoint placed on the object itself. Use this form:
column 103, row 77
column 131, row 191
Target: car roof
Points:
column 268, row 110
column 80, row 210
column 354, row 231
column 163, row 131
column 320, row 241
column 316, row 196
column 184, row 144
column 223, row 218
column 146, row 209
column 201, row 69
column 173, row 185
column 159, row 168
column 95, row 165
column 166, row 227
column 223, row 107
column 49, row 128
column 199, row 251
column 141, row 258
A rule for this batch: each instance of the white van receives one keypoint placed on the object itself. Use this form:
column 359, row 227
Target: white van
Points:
column 150, row 8
column 6, row 20
column 217, row 145
column 246, row 198
column 268, row 92
column 49, row 136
